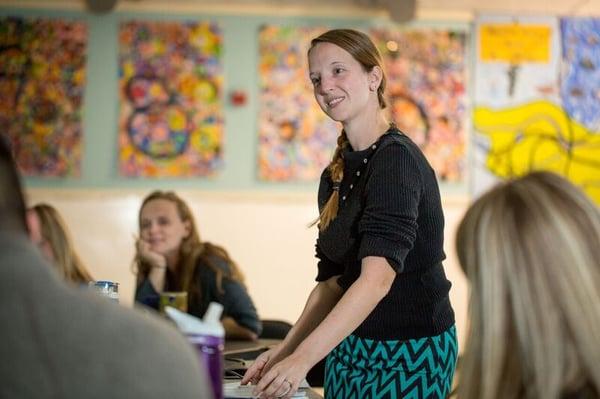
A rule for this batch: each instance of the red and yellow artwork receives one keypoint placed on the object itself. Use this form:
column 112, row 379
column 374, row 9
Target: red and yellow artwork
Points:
column 426, row 91
column 296, row 139
column 42, row 80
column 170, row 82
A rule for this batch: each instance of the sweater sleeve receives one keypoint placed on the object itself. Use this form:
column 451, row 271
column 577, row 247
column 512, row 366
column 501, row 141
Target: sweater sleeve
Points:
column 238, row 305
column 147, row 295
column 235, row 298
column 388, row 227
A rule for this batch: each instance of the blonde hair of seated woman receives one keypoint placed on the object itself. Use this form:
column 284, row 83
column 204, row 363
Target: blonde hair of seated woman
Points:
column 48, row 231
column 531, row 251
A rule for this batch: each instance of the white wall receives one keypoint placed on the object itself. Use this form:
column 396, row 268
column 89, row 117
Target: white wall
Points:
column 266, row 233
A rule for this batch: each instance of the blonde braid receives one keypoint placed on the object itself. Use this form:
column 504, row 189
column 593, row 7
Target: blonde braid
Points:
column 336, row 173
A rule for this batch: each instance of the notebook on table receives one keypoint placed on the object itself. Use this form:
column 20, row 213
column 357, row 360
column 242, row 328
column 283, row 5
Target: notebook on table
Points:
column 233, row 390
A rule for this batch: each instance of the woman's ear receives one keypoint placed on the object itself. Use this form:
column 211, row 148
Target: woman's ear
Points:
column 375, row 77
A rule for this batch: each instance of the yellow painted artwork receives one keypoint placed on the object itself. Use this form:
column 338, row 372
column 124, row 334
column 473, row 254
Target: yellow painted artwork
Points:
column 514, row 43
column 540, row 136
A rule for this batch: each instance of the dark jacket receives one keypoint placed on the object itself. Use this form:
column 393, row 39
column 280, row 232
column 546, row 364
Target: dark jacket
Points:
column 234, row 297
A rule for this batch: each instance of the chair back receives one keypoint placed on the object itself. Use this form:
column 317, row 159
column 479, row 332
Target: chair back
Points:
column 274, row 329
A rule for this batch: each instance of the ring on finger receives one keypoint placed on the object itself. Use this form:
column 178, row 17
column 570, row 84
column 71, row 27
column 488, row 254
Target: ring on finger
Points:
column 288, row 390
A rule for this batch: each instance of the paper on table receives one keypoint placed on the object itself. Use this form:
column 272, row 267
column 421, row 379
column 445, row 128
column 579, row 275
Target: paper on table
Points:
column 233, row 390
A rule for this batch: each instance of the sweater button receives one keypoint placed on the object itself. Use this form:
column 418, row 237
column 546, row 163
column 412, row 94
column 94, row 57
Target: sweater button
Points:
column 358, row 173
column 344, row 198
column 365, row 160
column 351, row 186
column 373, row 146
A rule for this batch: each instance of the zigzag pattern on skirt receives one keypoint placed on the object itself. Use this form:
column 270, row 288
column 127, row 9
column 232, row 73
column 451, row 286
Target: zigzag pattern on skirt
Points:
column 361, row 368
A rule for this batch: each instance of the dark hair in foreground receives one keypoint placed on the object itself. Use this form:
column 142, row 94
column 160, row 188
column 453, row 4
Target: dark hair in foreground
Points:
column 12, row 203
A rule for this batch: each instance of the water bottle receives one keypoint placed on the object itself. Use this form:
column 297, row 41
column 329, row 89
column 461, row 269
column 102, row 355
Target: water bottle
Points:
column 208, row 338
column 209, row 344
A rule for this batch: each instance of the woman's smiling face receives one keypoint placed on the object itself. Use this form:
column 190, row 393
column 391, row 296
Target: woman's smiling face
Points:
column 162, row 227
column 340, row 83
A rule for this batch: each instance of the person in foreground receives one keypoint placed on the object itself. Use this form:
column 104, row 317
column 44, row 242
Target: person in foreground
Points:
column 380, row 311
column 530, row 248
column 49, row 232
column 61, row 342
column 171, row 257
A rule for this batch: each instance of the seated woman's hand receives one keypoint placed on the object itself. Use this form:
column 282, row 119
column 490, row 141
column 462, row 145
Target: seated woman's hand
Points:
column 144, row 252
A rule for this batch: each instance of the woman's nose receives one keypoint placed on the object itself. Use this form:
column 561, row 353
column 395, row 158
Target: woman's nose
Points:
column 326, row 86
column 154, row 227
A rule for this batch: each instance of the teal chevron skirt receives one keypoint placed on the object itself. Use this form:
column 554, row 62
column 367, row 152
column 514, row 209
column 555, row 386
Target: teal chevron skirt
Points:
column 360, row 368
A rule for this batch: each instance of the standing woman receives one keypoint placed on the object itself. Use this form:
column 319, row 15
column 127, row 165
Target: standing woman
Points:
column 380, row 311
column 171, row 257
column 49, row 233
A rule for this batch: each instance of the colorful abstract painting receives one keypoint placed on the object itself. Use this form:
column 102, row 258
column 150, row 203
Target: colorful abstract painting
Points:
column 427, row 98
column 537, row 100
column 170, row 82
column 296, row 139
column 42, row 80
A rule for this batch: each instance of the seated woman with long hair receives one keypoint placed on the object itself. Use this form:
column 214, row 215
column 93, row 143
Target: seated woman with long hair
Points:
column 171, row 257
column 531, row 251
column 49, row 233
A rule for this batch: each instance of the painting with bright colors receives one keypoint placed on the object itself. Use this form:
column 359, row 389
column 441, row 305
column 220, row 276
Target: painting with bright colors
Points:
column 537, row 99
column 426, row 97
column 296, row 139
column 170, row 82
column 42, row 81
column 426, row 92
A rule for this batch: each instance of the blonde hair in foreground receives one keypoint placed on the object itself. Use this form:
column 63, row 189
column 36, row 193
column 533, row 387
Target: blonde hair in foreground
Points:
column 531, row 251
column 54, row 231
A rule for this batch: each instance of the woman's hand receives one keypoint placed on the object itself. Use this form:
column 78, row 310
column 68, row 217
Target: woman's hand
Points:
column 262, row 364
column 283, row 379
column 144, row 251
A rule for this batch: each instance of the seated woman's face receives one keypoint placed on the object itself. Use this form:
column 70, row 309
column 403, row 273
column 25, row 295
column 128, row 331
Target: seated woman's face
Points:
column 161, row 226
column 35, row 234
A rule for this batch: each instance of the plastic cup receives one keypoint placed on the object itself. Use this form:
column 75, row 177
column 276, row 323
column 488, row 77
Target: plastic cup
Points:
column 178, row 300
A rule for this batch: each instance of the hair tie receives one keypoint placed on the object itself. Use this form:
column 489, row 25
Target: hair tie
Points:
column 336, row 186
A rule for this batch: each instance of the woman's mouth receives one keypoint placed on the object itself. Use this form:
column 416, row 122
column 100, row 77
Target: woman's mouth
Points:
column 334, row 101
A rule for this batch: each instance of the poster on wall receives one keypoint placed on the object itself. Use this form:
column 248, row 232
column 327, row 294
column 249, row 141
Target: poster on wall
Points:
column 536, row 99
column 170, row 84
column 42, row 80
column 426, row 98
column 296, row 138
column 426, row 93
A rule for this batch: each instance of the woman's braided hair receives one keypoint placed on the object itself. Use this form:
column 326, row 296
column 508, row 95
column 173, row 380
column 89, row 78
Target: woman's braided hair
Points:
column 362, row 49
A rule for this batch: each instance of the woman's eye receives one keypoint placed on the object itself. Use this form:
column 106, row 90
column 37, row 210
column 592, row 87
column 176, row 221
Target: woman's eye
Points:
column 338, row 71
column 315, row 81
column 163, row 222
